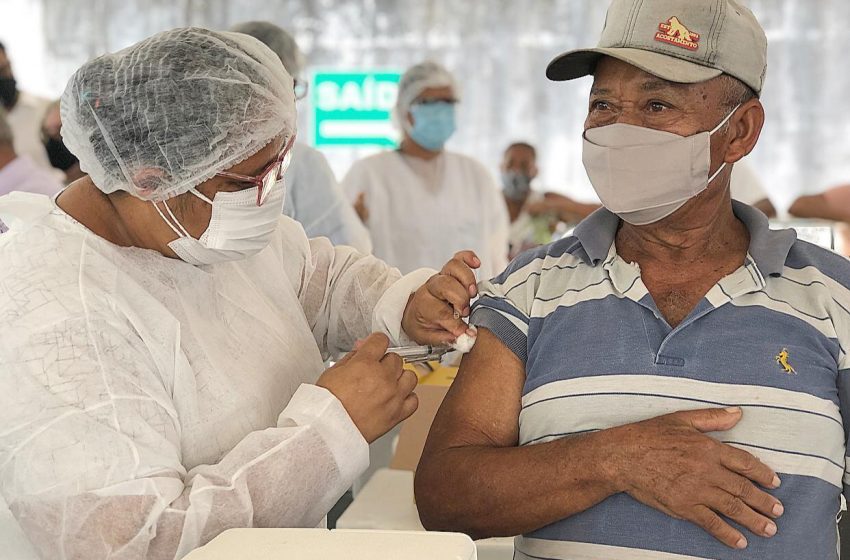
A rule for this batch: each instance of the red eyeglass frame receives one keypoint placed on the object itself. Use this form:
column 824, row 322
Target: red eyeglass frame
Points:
column 281, row 163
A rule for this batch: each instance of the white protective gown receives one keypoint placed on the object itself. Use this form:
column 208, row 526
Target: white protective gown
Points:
column 415, row 226
column 147, row 405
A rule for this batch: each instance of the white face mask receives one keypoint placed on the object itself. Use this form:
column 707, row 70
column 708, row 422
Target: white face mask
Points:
column 644, row 175
column 238, row 227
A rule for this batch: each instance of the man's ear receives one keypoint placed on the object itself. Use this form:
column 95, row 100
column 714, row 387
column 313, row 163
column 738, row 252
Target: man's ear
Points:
column 745, row 129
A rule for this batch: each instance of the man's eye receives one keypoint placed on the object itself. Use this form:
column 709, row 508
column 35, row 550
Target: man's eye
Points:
column 657, row 106
column 600, row 106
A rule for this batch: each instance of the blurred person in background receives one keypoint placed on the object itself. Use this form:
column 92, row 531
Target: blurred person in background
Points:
column 18, row 172
column 25, row 112
column 313, row 197
column 422, row 202
column 534, row 215
column 57, row 153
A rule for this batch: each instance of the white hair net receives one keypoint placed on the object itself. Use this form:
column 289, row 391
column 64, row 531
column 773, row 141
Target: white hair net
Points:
column 278, row 40
column 417, row 79
column 168, row 113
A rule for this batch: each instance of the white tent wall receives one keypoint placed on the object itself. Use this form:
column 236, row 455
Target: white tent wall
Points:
column 499, row 50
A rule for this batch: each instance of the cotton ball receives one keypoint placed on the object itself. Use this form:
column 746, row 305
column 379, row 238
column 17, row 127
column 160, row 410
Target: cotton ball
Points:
column 464, row 342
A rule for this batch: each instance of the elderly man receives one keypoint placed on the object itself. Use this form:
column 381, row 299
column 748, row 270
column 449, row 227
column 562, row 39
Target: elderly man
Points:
column 671, row 381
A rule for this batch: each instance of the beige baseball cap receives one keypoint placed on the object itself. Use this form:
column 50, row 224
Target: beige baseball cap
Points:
column 684, row 41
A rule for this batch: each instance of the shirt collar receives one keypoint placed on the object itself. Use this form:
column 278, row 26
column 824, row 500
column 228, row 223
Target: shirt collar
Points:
column 768, row 248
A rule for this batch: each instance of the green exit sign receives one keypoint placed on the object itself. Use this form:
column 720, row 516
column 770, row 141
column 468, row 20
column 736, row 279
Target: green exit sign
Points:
column 354, row 108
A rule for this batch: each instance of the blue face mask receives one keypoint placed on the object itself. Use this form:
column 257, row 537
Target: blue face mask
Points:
column 433, row 124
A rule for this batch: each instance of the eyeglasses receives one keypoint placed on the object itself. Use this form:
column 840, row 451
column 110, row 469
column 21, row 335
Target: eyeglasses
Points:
column 301, row 88
column 267, row 178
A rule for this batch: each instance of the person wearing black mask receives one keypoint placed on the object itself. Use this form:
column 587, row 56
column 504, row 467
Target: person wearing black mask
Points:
column 60, row 157
column 18, row 172
column 24, row 113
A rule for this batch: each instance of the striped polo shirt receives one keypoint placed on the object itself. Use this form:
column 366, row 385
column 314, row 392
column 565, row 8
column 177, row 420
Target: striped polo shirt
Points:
column 772, row 338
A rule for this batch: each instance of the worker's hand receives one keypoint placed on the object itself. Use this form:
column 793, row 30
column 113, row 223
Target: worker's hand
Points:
column 435, row 312
column 372, row 386
column 669, row 464
column 361, row 208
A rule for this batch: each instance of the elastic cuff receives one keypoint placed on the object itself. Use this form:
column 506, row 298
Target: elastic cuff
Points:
column 319, row 409
column 389, row 311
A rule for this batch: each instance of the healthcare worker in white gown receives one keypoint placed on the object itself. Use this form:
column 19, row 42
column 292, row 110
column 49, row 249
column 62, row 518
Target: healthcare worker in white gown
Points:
column 313, row 195
column 422, row 202
column 163, row 327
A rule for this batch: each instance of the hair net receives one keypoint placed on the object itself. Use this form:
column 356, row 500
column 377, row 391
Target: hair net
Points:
column 168, row 113
column 417, row 79
column 278, row 40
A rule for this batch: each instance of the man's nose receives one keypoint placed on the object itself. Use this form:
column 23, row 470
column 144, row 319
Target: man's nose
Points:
column 628, row 117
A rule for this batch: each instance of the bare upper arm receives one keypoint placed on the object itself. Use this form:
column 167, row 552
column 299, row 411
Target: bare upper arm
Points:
column 483, row 405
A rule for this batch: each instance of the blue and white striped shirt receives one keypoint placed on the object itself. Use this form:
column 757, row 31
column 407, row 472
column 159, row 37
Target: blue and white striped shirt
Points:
column 772, row 338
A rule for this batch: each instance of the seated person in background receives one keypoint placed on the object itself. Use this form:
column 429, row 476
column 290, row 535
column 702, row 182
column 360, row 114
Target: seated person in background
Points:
column 672, row 380
column 313, row 195
column 24, row 114
column 18, row 172
column 423, row 201
column 60, row 157
column 534, row 216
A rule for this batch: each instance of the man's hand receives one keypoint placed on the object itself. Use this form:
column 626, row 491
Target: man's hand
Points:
column 435, row 312
column 372, row 386
column 669, row 464
column 565, row 208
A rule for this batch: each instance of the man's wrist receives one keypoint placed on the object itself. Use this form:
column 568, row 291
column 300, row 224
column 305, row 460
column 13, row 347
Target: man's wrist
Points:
column 608, row 456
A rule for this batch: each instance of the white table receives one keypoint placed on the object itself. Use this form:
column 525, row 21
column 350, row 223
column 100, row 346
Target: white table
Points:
column 321, row 544
column 386, row 502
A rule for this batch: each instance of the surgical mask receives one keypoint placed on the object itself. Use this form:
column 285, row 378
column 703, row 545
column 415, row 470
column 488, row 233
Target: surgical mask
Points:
column 60, row 157
column 516, row 185
column 8, row 92
column 644, row 175
column 238, row 227
column 433, row 124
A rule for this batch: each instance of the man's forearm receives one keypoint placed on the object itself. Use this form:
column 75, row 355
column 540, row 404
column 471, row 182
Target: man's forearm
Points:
column 488, row 491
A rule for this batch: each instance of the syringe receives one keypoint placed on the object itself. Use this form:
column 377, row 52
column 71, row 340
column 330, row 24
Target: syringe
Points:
column 417, row 354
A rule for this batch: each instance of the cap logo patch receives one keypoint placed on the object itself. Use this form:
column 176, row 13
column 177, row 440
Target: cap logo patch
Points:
column 674, row 32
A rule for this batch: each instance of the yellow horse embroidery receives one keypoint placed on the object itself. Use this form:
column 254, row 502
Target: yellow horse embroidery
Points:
column 782, row 360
